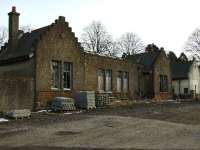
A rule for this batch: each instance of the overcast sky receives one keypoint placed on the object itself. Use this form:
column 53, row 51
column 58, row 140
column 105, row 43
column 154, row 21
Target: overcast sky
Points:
column 167, row 23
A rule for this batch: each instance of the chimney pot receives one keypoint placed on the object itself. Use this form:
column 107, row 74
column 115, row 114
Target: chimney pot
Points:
column 61, row 18
column 13, row 9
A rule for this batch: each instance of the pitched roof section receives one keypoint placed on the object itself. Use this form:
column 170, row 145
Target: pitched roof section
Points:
column 24, row 46
column 180, row 69
column 27, row 42
column 147, row 59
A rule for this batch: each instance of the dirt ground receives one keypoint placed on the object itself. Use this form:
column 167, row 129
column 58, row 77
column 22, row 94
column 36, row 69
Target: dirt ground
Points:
column 169, row 125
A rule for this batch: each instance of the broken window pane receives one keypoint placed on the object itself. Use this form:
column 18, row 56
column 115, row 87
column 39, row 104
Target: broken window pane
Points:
column 56, row 68
column 125, row 81
column 101, row 73
column 67, row 73
column 119, row 81
column 108, row 75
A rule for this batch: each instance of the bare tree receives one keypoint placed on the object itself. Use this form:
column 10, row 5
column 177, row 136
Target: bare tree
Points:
column 26, row 28
column 3, row 35
column 192, row 46
column 4, row 32
column 95, row 38
column 130, row 43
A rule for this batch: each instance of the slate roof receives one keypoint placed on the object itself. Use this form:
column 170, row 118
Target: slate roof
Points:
column 180, row 69
column 24, row 46
column 147, row 59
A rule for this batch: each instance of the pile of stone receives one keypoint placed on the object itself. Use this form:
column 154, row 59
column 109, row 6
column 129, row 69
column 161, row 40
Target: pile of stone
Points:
column 85, row 100
column 19, row 113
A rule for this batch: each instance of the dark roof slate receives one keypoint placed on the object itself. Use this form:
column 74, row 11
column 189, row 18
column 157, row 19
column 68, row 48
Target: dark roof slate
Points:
column 147, row 59
column 180, row 69
column 24, row 46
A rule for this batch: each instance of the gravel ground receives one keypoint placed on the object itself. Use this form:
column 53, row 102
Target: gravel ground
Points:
column 171, row 125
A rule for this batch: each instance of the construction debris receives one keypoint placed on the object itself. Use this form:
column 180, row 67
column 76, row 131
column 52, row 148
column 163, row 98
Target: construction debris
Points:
column 85, row 100
column 19, row 114
column 63, row 104
column 3, row 120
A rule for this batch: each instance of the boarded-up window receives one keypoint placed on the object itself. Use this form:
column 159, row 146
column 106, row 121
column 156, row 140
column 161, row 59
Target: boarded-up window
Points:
column 101, row 75
column 119, row 81
column 125, row 82
column 56, row 69
column 67, row 75
column 108, row 80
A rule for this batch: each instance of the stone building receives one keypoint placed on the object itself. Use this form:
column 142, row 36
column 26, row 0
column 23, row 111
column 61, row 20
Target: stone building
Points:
column 156, row 75
column 49, row 62
column 185, row 77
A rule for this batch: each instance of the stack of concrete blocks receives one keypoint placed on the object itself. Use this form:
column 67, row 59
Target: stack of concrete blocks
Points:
column 85, row 100
column 103, row 99
column 70, row 104
column 63, row 103
column 21, row 113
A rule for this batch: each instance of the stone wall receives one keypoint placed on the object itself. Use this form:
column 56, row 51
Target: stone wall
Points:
column 17, row 86
column 162, row 67
column 95, row 62
column 60, row 44
column 16, row 94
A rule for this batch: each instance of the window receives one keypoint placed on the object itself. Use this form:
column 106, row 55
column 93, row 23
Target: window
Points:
column 61, row 78
column 185, row 90
column 104, row 80
column 108, row 80
column 101, row 80
column 119, row 81
column 125, row 82
column 163, row 83
column 67, row 75
column 122, row 81
column 56, row 69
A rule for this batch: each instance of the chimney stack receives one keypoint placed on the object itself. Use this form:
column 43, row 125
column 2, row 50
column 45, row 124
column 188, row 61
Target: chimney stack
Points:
column 13, row 27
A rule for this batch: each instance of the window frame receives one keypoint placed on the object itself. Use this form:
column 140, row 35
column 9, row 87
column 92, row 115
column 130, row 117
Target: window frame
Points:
column 120, row 76
column 186, row 89
column 102, row 71
column 125, row 76
column 70, row 71
column 109, row 71
column 163, row 83
column 53, row 87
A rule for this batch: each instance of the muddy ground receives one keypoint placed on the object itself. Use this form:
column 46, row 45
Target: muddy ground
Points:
column 169, row 125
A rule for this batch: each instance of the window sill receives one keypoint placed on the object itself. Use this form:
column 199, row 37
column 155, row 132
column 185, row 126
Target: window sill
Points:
column 105, row 92
column 55, row 89
column 67, row 89
column 108, row 91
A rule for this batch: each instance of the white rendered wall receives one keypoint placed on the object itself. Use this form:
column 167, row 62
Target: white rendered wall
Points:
column 194, row 78
column 183, row 84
